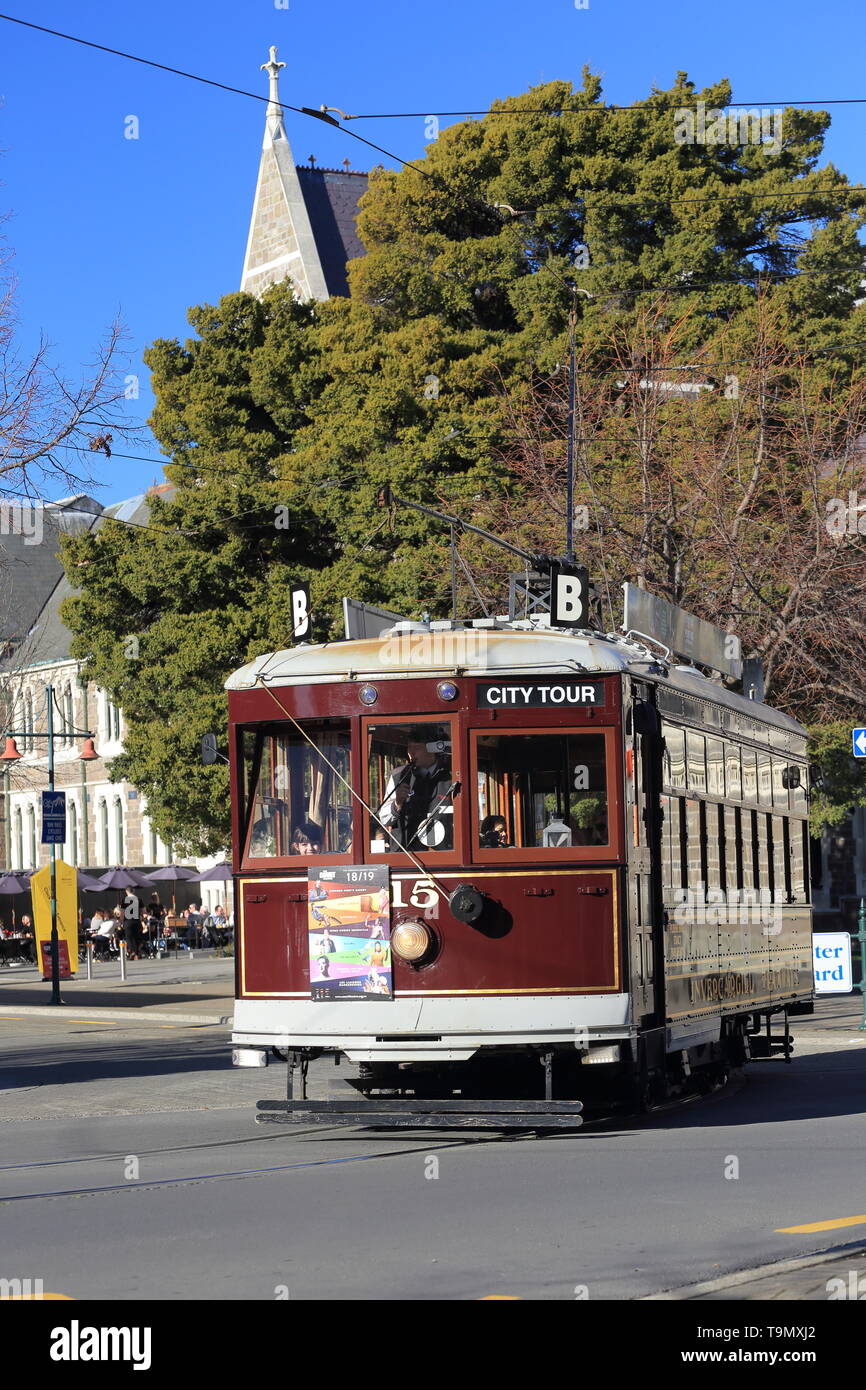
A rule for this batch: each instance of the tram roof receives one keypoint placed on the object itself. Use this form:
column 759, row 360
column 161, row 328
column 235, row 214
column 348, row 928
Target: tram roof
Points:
column 491, row 647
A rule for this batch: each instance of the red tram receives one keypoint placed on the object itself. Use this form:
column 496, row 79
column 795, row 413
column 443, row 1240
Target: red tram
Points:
column 502, row 865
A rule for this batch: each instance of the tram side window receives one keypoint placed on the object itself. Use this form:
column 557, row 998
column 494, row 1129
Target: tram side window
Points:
column 749, row 881
column 410, row 787
column 714, row 841
column 750, row 775
column 675, row 756
column 673, row 845
column 695, row 865
column 765, row 779
column 541, row 790
column 797, row 852
column 799, row 803
column 715, row 767
column 733, row 771
column 762, row 852
column 780, row 791
column 297, row 803
column 697, row 761
column 781, row 886
column 733, row 852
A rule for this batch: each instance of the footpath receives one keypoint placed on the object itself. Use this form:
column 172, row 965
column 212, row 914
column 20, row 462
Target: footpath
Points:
column 198, row 988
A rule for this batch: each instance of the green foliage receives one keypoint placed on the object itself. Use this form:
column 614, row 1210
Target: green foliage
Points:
column 844, row 776
column 463, row 297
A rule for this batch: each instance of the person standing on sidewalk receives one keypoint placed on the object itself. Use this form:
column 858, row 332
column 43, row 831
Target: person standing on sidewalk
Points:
column 194, row 922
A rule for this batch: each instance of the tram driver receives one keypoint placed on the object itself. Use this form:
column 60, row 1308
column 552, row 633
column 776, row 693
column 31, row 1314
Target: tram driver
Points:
column 417, row 810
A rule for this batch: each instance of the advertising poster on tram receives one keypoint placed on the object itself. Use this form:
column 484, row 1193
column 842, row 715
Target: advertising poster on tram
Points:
column 349, row 931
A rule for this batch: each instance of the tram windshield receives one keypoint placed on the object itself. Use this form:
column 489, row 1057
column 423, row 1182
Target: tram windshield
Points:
column 410, row 787
column 297, row 802
column 541, row 790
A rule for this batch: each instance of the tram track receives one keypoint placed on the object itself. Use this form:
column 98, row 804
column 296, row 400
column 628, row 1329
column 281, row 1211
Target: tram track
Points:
column 595, row 1125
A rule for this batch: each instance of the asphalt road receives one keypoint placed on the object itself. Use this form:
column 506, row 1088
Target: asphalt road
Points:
column 131, row 1168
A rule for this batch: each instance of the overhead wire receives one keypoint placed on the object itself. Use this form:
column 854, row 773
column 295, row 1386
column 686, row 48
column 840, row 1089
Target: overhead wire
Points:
column 408, row 164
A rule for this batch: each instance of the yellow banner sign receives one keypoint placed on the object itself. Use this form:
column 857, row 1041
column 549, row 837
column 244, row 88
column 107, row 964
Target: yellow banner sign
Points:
column 66, row 888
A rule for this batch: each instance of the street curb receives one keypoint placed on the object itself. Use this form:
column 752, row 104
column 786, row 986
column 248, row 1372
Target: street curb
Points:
column 750, row 1276
column 146, row 1015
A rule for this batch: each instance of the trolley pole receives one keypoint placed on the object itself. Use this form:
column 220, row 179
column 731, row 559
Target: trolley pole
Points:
column 861, row 937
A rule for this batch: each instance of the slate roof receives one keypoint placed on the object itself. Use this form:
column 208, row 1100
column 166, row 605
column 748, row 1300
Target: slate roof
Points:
column 37, row 585
column 331, row 199
column 29, row 564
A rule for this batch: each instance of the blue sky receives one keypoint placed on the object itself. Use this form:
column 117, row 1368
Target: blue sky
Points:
column 102, row 225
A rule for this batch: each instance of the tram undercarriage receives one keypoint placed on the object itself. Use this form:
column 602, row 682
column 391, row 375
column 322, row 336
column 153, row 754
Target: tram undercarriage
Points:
column 537, row 1087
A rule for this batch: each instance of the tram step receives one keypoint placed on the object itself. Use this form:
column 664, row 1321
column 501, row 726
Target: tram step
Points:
column 418, row 1103
column 416, row 1113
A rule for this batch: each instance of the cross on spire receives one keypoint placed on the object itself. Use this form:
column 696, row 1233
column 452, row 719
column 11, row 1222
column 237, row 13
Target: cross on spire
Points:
column 273, row 70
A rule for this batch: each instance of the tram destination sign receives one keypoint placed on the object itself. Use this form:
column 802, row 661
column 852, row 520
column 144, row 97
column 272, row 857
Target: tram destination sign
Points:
column 685, row 635
column 520, row 694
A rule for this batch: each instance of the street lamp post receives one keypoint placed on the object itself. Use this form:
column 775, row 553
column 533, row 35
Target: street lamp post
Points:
column 11, row 755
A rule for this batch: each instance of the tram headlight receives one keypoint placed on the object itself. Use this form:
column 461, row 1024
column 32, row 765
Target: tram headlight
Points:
column 412, row 940
column 368, row 694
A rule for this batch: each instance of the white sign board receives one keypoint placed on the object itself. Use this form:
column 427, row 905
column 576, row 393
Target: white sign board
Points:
column 832, row 962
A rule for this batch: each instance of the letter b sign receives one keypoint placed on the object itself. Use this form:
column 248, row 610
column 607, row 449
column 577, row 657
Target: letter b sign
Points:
column 300, row 612
column 569, row 596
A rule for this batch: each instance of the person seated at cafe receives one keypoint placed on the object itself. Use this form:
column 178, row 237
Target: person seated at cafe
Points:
column 28, row 938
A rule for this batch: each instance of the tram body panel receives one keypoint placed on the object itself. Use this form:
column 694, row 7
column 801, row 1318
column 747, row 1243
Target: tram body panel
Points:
column 551, row 931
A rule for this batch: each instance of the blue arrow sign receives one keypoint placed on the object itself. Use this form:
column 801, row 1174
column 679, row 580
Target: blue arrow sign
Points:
column 859, row 737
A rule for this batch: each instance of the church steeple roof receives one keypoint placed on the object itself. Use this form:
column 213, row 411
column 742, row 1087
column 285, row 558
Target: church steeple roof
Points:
column 302, row 228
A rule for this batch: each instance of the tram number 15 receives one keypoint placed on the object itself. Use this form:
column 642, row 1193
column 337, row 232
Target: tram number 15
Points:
column 422, row 894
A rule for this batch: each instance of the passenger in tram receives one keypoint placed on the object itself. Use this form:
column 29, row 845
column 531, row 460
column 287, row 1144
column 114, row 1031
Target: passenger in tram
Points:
column 493, row 833
column 302, row 843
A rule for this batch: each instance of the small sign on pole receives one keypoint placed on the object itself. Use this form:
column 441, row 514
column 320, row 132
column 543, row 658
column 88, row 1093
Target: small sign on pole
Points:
column 53, row 818
column 832, row 962
column 858, row 737
column 569, row 596
column 300, row 600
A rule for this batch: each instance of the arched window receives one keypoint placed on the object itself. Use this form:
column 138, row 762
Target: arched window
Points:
column 17, row 839
column 102, row 822
column 70, row 849
column 32, row 851
column 118, row 830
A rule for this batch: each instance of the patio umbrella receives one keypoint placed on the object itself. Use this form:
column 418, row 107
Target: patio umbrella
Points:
column 172, row 873
column 220, row 873
column 14, row 883
column 123, row 878
column 87, row 884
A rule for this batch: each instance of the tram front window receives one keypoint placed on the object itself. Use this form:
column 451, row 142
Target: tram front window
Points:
column 298, row 805
column 410, row 787
column 541, row 790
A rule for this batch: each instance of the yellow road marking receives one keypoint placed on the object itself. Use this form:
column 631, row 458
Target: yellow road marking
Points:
column 98, row 1022
column 836, row 1225
column 36, row 1297
column 499, row 1298
column 56, row 1018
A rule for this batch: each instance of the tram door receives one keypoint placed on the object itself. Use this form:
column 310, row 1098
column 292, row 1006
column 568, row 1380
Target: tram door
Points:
column 643, row 837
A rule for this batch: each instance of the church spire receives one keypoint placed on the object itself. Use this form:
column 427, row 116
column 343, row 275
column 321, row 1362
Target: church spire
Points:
column 274, row 118
column 281, row 244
